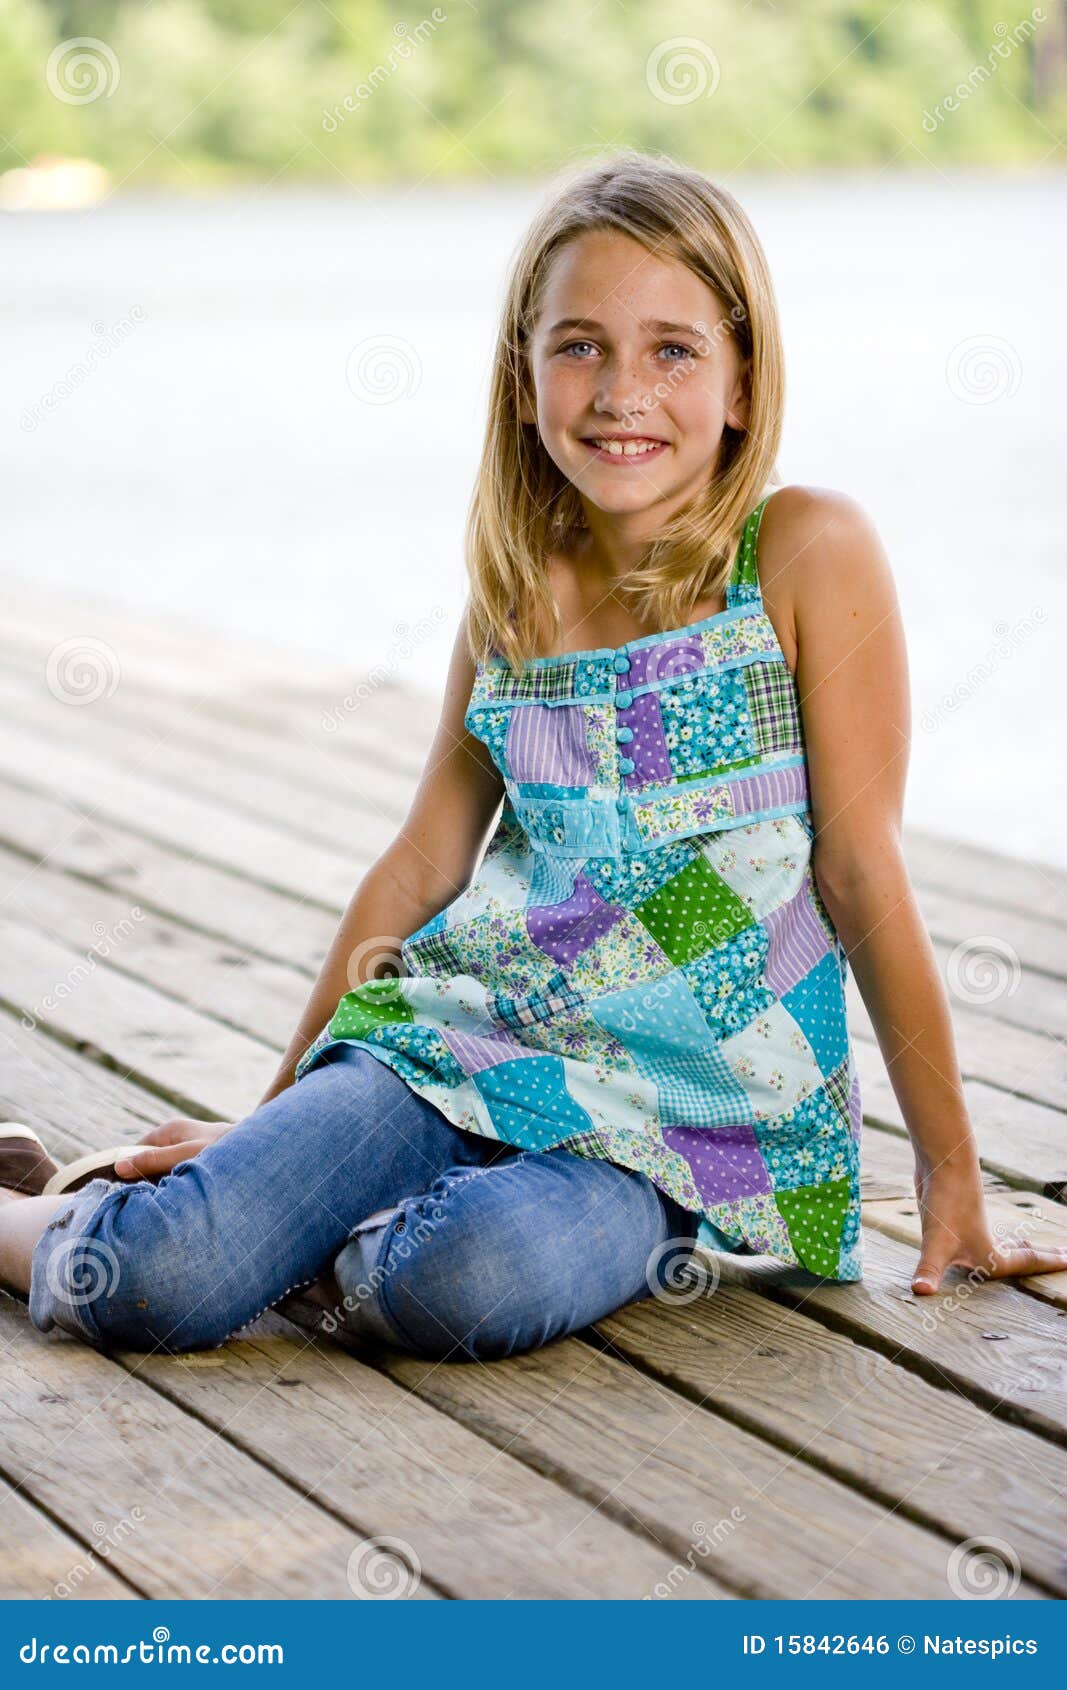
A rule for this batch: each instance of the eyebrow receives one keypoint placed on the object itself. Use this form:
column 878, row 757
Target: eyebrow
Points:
column 658, row 326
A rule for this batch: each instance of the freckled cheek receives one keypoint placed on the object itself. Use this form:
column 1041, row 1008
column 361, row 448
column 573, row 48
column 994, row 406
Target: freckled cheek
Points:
column 698, row 415
column 563, row 403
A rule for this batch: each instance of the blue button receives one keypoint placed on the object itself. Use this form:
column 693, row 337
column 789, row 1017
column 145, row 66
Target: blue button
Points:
column 620, row 803
column 623, row 700
column 622, row 663
column 626, row 765
column 623, row 735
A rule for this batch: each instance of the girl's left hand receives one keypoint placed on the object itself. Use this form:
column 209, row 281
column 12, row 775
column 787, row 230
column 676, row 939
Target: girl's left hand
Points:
column 956, row 1233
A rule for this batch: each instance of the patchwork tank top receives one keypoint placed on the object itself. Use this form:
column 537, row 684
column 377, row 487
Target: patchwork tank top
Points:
column 642, row 968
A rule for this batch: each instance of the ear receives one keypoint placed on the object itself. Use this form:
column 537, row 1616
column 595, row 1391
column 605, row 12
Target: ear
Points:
column 737, row 409
column 527, row 410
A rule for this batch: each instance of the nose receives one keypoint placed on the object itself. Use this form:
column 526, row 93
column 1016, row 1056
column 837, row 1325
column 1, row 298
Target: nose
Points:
column 618, row 391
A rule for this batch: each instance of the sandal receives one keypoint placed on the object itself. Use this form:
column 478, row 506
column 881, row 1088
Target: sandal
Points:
column 25, row 1164
column 97, row 1164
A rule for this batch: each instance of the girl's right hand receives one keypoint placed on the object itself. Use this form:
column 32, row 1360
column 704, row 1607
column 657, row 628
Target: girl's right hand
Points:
column 177, row 1141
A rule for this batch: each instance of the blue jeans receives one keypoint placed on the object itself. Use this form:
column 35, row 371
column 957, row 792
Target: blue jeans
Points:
column 442, row 1242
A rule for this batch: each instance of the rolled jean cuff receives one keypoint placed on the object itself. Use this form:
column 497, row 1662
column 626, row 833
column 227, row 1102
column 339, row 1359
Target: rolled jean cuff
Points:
column 359, row 1270
column 71, row 1268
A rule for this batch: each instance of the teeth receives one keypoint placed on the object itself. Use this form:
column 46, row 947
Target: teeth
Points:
column 628, row 448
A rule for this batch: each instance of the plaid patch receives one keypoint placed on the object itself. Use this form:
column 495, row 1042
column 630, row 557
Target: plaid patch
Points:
column 772, row 704
column 554, row 998
column 434, row 955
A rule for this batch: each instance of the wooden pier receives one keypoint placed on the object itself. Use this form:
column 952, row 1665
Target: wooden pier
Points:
column 182, row 821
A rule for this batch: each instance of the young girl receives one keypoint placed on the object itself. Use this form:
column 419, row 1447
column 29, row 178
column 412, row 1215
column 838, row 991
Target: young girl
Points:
column 620, row 1029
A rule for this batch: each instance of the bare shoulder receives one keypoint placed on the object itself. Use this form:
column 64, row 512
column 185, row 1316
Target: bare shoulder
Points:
column 815, row 542
column 819, row 555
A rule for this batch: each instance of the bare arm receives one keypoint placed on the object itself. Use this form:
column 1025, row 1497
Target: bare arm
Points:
column 852, row 680
column 431, row 860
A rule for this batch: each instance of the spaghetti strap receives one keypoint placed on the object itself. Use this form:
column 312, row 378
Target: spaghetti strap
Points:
column 743, row 586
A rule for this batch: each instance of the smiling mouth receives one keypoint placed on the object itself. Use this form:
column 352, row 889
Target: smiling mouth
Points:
column 634, row 446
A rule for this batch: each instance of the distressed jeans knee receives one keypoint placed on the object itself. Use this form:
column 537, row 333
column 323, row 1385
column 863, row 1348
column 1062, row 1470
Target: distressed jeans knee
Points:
column 379, row 1249
column 398, row 1290
column 84, row 1280
column 496, row 1260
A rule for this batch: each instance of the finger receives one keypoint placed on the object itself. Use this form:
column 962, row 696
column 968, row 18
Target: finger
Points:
column 1008, row 1260
column 142, row 1163
column 168, row 1132
column 935, row 1258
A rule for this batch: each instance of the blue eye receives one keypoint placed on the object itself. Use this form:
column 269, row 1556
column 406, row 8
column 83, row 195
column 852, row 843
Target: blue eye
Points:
column 572, row 344
column 677, row 346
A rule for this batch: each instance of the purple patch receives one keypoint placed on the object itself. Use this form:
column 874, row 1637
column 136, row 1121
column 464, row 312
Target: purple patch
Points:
column 797, row 942
column 725, row 1161
column 565, row 930
column 769, row 791
column 550, row 743
column 476, row 1051
column 665, row 662
column 648, row 748
column 855, row 1108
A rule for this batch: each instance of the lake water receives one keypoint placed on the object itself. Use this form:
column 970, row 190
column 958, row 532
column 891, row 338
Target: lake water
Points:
column 227, row 460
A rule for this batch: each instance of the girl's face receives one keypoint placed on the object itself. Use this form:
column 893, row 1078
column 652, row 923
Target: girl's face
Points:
column 635, row 374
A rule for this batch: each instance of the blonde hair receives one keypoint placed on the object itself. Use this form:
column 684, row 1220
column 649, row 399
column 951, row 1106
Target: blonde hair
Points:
column 523, row 506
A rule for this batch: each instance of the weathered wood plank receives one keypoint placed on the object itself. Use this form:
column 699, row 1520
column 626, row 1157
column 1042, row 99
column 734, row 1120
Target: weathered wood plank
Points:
column 1025, row 997
column 1005, row 935
column 215, row 901
column 1029, row 1066
column 963, row 870
column 40, row 1560
column 1018, row 1140
column 134, row 796
column 97, row 1444
column 347, row 1430
column 248, row 993
column 309, row 747
column 826, row 1399
column 989, row 1341
column 347, row 797
column 348, row 1435
column 232, row 678
column 186, row 1057
column 73, row 1102
column 770, row 1526
column 1022, row 1142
